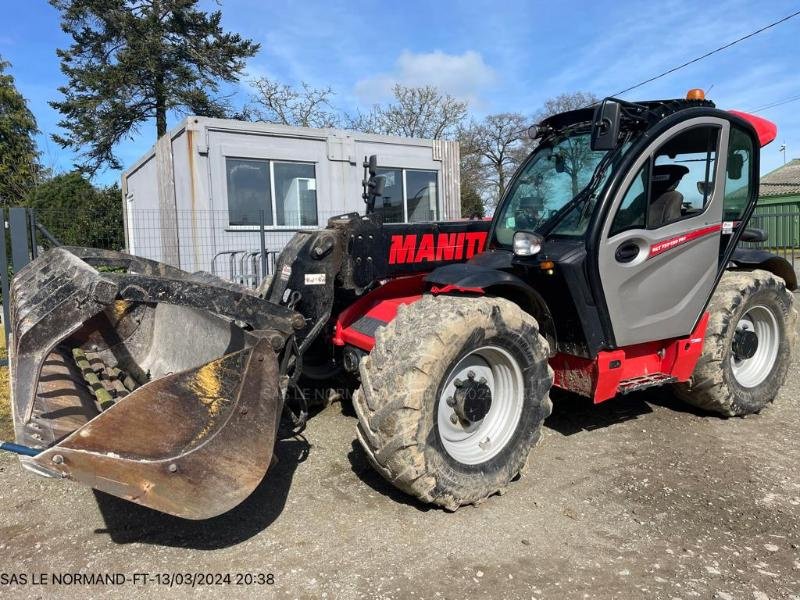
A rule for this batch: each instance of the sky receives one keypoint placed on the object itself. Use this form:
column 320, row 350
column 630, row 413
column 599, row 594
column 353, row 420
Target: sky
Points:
column 501, row 57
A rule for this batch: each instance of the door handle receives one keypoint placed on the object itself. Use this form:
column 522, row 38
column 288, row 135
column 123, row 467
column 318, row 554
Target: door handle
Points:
column 626, row 252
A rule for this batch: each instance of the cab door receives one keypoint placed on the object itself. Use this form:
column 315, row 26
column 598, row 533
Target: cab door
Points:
column 659, row 248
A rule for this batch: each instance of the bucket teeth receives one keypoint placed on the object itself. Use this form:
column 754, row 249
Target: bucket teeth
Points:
column 129, row 383
column 119, row 390
column 107, row 383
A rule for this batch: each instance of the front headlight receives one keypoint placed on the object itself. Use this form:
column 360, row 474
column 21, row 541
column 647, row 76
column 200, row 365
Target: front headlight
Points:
column 527, row 243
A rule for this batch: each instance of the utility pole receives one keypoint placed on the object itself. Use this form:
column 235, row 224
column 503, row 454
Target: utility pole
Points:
column 782, row 148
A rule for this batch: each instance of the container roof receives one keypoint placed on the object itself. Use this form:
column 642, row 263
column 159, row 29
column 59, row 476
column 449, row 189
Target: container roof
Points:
column 783, row 181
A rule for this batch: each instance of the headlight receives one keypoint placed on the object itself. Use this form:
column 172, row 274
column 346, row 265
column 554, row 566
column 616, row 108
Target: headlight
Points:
column 527, row 243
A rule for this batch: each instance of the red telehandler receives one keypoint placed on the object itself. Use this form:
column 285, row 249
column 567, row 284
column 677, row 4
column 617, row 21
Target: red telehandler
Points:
column 613, row 263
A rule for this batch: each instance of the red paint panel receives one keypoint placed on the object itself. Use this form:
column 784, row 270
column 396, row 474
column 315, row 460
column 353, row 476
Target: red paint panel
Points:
column 766, row 130
column 688, row 351
column 574, row 373
column 680, row 240
column 600, row 379
column 382, row 304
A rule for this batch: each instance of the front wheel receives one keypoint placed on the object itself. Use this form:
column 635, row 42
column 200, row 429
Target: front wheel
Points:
column 748, row 345
column 453, row 397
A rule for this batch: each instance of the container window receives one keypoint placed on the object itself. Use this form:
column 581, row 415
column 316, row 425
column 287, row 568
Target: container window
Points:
column 248, row 191
column 295, row 194
column 421, row 197
column 391, row 201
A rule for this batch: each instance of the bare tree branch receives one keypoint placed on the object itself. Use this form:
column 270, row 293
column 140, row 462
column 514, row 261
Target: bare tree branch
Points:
column 420, row 112
column 282, row 104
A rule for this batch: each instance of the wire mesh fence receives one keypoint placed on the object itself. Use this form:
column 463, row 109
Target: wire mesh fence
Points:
column 198, row 240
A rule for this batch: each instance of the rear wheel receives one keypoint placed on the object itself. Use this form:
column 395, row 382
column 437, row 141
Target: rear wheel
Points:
column 453, row 397
column 748, row 345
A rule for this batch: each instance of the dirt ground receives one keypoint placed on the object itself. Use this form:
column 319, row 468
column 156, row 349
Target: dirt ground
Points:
column 636, row 498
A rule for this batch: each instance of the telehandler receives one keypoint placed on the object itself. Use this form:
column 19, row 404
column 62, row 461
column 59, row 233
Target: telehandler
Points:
column 613, row 263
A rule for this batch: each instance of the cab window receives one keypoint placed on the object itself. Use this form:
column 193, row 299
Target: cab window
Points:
column 738, row 175
column 632, row 211
column 676, row 183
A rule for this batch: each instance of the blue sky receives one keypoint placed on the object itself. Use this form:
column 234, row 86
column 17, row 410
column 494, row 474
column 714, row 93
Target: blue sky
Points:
column 501, row 56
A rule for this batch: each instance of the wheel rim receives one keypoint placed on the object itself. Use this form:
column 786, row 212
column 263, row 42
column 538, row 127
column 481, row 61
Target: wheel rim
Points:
column 476, row 442
column 750, row 372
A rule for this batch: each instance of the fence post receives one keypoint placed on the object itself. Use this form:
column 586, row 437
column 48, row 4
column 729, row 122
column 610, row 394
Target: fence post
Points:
column 18, row 228
column 4, row 275
column 261, row 234
column 32, row 224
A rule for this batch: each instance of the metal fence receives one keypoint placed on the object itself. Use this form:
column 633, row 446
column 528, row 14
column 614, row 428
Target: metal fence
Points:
column 783, row 232
column 244, row 251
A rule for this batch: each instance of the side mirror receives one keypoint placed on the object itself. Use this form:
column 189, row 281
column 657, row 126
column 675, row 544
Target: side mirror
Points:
column 735, row 165
column 561, row 167
column 605, row 129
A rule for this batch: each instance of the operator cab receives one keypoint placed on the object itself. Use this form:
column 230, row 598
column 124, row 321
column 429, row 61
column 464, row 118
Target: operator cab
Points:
column 624, row 216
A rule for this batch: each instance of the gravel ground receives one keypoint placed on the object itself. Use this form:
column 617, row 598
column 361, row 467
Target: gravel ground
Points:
column 639, row 497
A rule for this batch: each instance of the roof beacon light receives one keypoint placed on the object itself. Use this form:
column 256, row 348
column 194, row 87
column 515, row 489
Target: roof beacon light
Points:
column 695, row 94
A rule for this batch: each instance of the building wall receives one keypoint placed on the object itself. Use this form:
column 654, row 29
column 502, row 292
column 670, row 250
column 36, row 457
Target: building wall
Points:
column 187, row 172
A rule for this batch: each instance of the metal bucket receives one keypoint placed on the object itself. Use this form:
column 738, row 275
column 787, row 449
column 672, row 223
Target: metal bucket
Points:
column 144, row 381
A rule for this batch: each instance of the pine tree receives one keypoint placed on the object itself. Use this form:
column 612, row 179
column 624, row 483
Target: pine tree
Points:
column 19, row 167
column 135, row 60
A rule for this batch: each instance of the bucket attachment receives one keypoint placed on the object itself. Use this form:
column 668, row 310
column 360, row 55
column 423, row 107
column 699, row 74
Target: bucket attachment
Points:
column 144, row 381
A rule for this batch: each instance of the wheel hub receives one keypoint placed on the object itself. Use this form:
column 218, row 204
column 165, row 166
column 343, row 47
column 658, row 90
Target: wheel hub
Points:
column 755, row 346
column 480, row 405
column 745, row 344
column 473, row 399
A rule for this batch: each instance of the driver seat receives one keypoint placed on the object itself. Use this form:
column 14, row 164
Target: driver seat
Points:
column 667, row 201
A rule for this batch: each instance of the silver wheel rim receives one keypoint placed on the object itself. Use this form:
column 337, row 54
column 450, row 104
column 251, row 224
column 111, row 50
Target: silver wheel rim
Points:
column 750, row 372
column 475, row 443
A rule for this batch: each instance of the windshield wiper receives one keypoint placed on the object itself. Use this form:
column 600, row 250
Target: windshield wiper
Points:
column 587, row 192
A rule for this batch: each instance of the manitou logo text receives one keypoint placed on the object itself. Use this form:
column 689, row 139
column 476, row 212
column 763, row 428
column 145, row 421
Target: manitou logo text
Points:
column 435, row 247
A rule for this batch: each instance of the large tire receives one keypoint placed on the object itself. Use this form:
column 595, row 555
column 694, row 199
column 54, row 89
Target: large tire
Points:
column 415, row 361
column 720, row 383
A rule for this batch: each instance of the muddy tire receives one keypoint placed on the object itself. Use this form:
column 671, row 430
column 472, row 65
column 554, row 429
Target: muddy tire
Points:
column 453, row 396
column 748, row 345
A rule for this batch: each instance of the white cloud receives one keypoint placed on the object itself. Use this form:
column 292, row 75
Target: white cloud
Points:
column 462, row 75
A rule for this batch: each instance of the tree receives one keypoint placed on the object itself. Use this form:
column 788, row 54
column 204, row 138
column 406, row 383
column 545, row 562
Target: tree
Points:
column 577, row 151
column 79, row 214
column 420, row 112
column 566, row 102
column 279, row 103
column 19, row 164
column 471, row 201
column 498, row 142
column 135, row 60
column 472, row 182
